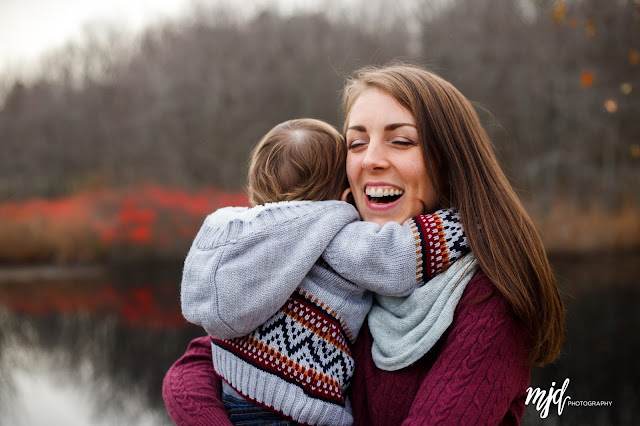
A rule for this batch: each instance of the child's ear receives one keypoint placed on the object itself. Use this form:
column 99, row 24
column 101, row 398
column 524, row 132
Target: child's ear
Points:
column 347, row 196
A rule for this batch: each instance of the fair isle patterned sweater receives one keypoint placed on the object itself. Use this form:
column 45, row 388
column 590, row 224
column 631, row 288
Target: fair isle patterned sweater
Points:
column 282, row 337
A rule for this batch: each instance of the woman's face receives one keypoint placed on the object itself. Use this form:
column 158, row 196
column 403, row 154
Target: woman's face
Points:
column 385, row 165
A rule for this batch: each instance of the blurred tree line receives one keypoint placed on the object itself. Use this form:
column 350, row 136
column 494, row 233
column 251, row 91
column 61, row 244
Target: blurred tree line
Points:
column 556, row 82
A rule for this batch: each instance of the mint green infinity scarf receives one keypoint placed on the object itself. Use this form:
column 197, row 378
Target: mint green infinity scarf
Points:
column 406, row 328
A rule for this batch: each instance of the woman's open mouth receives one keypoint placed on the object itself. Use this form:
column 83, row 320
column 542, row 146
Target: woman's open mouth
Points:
column 383, row 194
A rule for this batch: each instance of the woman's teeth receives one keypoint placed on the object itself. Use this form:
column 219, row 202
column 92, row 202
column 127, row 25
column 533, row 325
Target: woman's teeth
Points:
column 382, row 192
column 379, row 192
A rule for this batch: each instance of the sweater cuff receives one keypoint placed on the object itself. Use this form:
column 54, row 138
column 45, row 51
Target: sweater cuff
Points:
column 442, row 241
column 190, row 390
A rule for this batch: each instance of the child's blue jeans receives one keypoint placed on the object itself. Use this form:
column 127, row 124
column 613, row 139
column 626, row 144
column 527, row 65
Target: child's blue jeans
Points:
column 244, row 412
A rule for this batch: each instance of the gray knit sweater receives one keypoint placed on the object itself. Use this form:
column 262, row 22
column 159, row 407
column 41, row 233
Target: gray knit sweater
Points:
column 283, row 290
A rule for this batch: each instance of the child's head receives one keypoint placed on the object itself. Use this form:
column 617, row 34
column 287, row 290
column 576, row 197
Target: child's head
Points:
column 302, row 159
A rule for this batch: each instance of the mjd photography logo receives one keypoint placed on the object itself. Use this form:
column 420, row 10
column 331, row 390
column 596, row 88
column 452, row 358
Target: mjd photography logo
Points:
column 543, row 399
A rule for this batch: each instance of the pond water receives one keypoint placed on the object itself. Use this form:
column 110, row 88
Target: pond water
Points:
column 601, row 346
column 90, row 350
column 93, row 350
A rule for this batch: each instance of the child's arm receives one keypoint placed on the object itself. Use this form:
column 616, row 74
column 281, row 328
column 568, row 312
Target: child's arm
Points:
column 245, row 263
column 395, row 259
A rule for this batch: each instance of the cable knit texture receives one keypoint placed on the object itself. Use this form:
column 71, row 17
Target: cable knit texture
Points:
column 476, row 374
column 298, row 362
column 191, row 391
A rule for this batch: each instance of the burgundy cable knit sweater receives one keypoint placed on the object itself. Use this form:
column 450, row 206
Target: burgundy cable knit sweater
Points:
column 476, row 374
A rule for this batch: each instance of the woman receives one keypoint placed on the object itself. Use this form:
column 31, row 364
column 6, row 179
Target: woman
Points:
column 409, row 130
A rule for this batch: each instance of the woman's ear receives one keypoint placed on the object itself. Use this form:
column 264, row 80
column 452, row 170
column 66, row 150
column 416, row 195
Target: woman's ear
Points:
column 347, row 196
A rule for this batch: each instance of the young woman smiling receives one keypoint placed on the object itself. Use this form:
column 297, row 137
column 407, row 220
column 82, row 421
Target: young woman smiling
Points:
column 415, row 144
column 385, row 164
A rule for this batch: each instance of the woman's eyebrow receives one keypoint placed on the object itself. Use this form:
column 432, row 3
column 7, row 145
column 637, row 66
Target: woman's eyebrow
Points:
column 398, row 125
column 388, row 127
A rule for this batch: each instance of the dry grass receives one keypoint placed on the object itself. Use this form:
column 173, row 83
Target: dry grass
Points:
column 152, row 222
column 147, row 222
column 567, row 228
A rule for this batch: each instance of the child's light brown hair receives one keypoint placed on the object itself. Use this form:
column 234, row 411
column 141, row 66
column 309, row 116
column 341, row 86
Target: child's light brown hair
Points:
column 301, row 159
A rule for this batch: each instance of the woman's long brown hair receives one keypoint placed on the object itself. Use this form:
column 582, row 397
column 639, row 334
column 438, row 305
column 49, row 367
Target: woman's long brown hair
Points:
column 467, row 176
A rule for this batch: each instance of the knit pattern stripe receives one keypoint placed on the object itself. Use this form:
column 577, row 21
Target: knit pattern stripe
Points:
column 419, row 243
column 345, row 331
column 271, row 392
column 442, row 240
column 302, row 344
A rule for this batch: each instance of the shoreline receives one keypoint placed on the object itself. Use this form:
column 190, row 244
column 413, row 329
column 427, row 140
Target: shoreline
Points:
column 21, row 273
column 17, row 273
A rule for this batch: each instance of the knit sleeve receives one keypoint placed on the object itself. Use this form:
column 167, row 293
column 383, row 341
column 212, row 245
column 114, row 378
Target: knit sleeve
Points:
column 481, row 369
column 394, row 259
column 191, row 390
column 239, row 272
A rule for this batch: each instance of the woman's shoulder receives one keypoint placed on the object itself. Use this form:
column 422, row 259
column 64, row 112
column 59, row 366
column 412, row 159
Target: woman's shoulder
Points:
column 486, row 328
column 481, row 297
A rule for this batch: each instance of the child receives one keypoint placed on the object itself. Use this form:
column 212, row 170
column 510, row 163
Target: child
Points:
column 283, row 342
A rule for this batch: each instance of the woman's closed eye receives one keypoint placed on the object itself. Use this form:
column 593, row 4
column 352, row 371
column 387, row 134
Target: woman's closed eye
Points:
column 357, row 143
column 403, row 142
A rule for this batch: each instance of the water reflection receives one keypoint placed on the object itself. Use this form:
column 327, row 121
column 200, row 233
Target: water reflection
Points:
column 600, row 352
column 94, row 350
column 48, row 389
column 87, row 353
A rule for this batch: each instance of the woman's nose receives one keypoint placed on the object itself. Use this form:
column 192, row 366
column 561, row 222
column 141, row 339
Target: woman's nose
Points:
column 375, row 157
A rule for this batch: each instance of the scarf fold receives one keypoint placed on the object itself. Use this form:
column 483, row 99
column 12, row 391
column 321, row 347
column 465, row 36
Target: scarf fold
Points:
column 406, row 328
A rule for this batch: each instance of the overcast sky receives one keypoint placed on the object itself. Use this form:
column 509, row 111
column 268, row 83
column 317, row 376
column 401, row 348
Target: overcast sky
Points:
column 30, row 27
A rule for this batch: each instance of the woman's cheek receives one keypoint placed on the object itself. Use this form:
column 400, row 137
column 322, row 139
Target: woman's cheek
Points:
column 352, row 176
